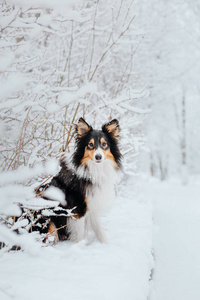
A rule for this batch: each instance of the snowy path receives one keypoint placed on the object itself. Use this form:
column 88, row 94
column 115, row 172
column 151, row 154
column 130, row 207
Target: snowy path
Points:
column 118, row 270
column 176, row 241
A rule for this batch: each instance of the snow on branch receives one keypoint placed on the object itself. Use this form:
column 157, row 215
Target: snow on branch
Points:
column 134, row 109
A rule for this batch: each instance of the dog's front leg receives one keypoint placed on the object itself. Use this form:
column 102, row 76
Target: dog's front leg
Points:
column 96, row 226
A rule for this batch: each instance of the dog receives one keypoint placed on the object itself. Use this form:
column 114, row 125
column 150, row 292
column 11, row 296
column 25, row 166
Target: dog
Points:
column 87, row 182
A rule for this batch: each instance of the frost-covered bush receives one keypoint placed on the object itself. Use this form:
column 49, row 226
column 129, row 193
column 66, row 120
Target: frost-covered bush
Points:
column 61, row 60
column 18, row 204
column 60, row 64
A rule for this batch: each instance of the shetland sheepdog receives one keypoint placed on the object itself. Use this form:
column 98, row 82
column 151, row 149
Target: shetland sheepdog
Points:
column 87, row 182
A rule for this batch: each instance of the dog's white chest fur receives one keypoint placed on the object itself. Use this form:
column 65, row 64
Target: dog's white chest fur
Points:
column 99, row 197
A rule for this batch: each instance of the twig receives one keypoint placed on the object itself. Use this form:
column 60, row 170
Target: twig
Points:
column 110, row 47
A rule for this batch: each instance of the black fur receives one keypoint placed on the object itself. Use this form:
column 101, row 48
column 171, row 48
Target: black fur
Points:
column 74, row 189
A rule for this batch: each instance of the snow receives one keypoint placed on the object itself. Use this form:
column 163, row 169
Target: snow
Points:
column 88, row 270
column 13, row 84
column 152, row 251
column 66, row 97
column 176, row 241
column 62, row 5
column 19, row 224
column 56, row 194
column 23, row 173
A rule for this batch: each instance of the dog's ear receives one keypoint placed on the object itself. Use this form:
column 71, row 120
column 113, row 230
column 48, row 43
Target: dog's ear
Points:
column 82, row 128
column 112, row 127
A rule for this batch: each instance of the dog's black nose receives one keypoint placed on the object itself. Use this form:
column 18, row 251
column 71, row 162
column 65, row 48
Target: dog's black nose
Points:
column 98, row 156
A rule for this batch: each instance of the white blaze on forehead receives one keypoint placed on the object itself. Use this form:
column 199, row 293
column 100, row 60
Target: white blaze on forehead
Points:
column 99, row 152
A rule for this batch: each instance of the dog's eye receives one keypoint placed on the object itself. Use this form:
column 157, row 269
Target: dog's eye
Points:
column 104, row 144
column 90, row 145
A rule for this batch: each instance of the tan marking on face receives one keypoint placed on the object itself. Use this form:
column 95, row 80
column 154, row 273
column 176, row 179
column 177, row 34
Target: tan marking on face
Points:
column 89, row 154
column 109, row 155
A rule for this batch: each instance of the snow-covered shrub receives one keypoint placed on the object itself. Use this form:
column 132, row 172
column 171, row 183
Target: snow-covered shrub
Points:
column 59, row 65
column 61, row 61
column 18, row 204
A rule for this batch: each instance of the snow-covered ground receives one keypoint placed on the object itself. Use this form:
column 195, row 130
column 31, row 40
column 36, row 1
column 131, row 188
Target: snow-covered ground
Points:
column 176, row 274
column 118, row 270
column 163, row 216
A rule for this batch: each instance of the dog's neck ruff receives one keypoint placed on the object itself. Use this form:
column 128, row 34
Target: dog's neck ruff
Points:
column 98, row 173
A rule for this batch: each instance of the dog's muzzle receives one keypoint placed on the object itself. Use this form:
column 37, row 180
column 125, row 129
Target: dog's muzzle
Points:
column 98, row 156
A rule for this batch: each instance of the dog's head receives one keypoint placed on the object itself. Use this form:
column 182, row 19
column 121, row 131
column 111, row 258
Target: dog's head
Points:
column 97, row 146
